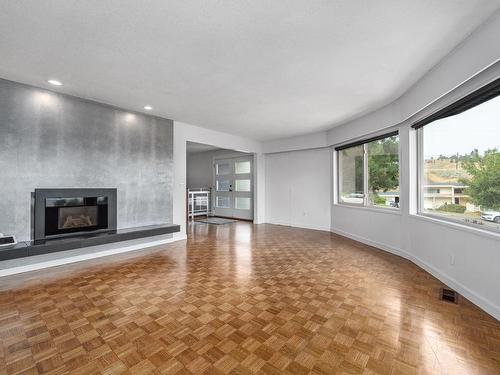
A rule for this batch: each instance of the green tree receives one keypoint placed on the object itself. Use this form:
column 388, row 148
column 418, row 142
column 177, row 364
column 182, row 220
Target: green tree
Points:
column 383, row 164
column 484, row 179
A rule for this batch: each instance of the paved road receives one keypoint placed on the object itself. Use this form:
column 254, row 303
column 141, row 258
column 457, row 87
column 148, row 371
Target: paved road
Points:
column 467, row 216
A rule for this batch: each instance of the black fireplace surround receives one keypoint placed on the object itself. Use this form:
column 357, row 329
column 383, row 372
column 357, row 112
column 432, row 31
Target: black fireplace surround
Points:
column 69, row 219
column 69, row 212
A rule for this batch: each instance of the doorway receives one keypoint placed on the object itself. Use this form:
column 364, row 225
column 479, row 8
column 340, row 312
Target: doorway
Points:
column 233, row 187
column 219, row 182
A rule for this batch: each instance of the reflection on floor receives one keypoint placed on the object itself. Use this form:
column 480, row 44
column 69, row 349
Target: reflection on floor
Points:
column 243, row 299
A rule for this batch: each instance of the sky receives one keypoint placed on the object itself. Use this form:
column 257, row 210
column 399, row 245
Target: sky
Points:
column 478, row 127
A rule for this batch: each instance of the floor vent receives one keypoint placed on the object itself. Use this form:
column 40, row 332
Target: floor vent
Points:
column 449, row 295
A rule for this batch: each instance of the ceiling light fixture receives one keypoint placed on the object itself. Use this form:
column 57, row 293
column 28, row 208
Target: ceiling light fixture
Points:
column 148, row 107
column 55, row 82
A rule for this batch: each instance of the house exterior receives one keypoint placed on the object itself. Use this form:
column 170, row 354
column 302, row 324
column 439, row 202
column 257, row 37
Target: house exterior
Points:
column 437, row 195
column 391, row 198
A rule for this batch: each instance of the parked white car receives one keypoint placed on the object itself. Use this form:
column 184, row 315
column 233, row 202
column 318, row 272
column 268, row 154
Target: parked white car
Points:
column 353, row 198
column 491, row 216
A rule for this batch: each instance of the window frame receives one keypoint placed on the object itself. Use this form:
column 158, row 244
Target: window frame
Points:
column 462, row 104
column 364, row 142
column 339, row 179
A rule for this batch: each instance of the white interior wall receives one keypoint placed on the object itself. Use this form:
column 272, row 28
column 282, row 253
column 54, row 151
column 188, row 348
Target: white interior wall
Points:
column 184, row 133
column 305, row 142
column 464, row 258
column 199, row 170
column 298, row 188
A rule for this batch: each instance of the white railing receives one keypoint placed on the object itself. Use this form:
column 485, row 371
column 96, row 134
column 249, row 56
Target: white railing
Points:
column 199, row 202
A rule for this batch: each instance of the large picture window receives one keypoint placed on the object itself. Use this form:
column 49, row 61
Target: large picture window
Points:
column 369, row 172
column 460, row 161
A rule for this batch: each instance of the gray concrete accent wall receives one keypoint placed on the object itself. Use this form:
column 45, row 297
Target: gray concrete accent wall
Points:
column 51, row 140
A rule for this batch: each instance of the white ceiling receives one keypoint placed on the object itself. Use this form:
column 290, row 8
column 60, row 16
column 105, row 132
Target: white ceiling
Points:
column 262, row 69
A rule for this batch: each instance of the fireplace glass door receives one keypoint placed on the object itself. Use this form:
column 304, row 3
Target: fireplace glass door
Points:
column 77, row 217
column 75, row 214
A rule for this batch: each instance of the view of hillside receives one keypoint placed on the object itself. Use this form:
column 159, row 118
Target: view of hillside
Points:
column 444, row 171
column 463, row 186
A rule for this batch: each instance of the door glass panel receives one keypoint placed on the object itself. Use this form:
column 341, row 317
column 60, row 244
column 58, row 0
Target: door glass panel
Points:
column 242, row 185
column 242, row 167
column 223, row 168
column 242, row 203
column 223, row 202
column 223, row 185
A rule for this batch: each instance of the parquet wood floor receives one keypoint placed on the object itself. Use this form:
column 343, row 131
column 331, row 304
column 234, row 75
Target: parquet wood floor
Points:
column 242, row 299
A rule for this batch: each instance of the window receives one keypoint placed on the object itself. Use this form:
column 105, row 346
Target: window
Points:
column 223, row 168
column 242, row 185
column 241, row 167
column 222, row 202
column 223, row 185
column 242, row 203
column 430, row 190
column 459, row 161
column 369, row 172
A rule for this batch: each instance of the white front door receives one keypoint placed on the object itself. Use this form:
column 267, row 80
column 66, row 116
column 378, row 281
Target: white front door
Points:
column 233, row 187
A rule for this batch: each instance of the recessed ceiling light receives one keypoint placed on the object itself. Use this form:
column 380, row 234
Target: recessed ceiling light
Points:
column 148, row 107
column 55, row 82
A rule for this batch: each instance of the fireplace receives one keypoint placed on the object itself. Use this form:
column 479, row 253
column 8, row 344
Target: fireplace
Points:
column 70, row 212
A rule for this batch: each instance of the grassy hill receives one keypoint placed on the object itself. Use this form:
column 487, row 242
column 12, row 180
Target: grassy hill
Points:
column 444, row 171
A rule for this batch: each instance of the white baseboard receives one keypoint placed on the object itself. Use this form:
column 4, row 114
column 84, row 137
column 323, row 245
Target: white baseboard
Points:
column 15, row 266
column 378, row 245
column 303, row 226
column 472, row 296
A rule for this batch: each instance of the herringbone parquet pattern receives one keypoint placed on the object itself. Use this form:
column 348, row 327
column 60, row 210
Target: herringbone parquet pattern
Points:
column 242, row 299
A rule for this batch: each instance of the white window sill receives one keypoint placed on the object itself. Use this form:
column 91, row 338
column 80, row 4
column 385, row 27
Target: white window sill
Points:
column 456, row 225
column 390, row 211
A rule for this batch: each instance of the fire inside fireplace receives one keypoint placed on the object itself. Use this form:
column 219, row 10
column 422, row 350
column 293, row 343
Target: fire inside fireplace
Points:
column 75, row 214
column 77, row 217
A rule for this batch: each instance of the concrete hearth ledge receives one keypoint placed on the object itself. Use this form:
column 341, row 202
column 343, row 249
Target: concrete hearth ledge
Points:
column 40, row 247
column 32, row 263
